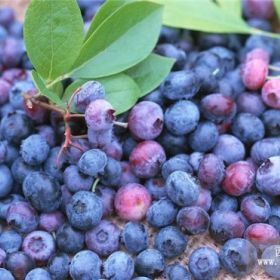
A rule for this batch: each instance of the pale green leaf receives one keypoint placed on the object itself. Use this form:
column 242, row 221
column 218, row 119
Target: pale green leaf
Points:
column 277, row 7
column 231, row 6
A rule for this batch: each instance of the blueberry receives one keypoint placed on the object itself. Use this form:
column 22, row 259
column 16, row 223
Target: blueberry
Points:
column 156, row 187
column 141, row 278
column 17, row 91
column 169, row 34
column 34, row 149
column 176, row 271
column 5, row 87
column 104, row 238
column 193, row 220
column 238, row 256
column 195, row 159
column 226, row 56
column 38, row 274
column 250, row 103
column 73, row 153
column 89, row 91
column 92, row 269
column 75, row 180
column 161, row 213
column 260, row 24
column 93, row 162
column 84, row 210
column 20, row 170
column 6, row 274
column 42, row 191
column 145, row 120
column 7, row 202
column 248, row 128
column 22, row 217
column 112, row 173
column 271, row 120
column 178, row 162
column 134, row 237
column 7, row 16
column 48, row 133
column 107, row 196
column 274, row 218
column 19, row 264
column 50, row 222
column 225, row 225
column 150, row 263
column 182, row 188
column 257, row 9
column 3, row 256
column 119, row 266
column 10, row 241
column 69, row 240
column 224, row 202
column 155, row 96
column 179, row 85
column 204, row 263
column 204, row 200
column 268, row 176
column 39, row 245
column 182, row 117
column 58, row 266
column 205, row 137
column 99, row 139
column 6, row 180
column 269, row 253
column 171, row 242
column 255, row 208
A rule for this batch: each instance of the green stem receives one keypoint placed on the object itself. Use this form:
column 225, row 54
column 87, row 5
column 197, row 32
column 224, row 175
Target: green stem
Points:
column 275, row 68
column 59, row 79
column 256, row 31
column 95, row 184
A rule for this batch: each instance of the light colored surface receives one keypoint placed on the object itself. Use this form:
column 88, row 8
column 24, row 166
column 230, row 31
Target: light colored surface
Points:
column 194, row 241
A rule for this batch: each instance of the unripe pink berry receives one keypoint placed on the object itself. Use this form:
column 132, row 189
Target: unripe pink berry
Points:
column 271, row 93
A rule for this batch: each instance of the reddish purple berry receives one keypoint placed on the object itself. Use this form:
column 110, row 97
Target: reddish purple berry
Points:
column 4, row 91
column 271, row 93
column 107, row 196
column 127, row 175
column 258, row 9
column 50, row 222
column 204, row 199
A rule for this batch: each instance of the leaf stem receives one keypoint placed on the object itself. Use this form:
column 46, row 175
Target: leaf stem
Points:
column 256, row 31
column 275, row 68
column 95, row 184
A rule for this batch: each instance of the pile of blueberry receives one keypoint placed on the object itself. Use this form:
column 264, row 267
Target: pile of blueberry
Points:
column 199, row 154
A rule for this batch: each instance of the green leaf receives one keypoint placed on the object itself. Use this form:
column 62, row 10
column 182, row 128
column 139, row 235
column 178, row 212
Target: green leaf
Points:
column 123, row 40
column 201, row 15
column 277, row 7
column 121, row 91
column 231, row 6
column 106, row 10
column 40, row 84
column 57, row 88
column 53, row 34
column 149, row 73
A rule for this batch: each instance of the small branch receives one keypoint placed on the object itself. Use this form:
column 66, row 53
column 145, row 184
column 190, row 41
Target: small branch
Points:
column 47, row 106
column 83, row 136
column 121, row 124
column 77, row 115
column 95, row 184
column 275, row 68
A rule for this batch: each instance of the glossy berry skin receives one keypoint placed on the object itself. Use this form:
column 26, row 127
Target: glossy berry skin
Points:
column 150, row 263
column 177, row 271
column 112, row 173
column 146, row 159
column 88, row 92
column 93, row 162
column 20, row 169
column 127, row 176
column 211, row 171
column 10, row 241
column 239, row 178
column 182, row 188
column 271, row 120
column 85, row 210
column 3, row 256
column 193, row 220
column 74, row 154
column 248, row 128
column 78, row 270
column 204, row 200
column 258, row 9
column 19, row 264
column 99, row 115
column 205, row 137
column 69, row 240
column 225, row 225
column 50, row 222
column 132, row 202
column 6, row 180
column 274, row 219
column 39, row 245
column 268, row 177
column 182, row 117
column 178, row 162
column 7, row 202
column 171, row 242
column 262, row 235
column 250, row 103
column 236, row 151
column 38, row 273
column 255, row 208
column 218, row 108
column 42, row 191
column 226, row 56
column 224, row 202
column 195, row 159
column 4, row 95
column 104, row 238
column 22, row 217
column 75, row 180
column 135, row 237
column 238, row 256
column 107, row 196
column 119, row 266
column 271, row 93
column 179, row 85
column 34, row 149
column 156, row 187
column 254, row 73
column 145, row 120
column 6, row 274
column 58, row 266
column 204, row 263
column 48, row 133
column 162, row 213
column 257, row 53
